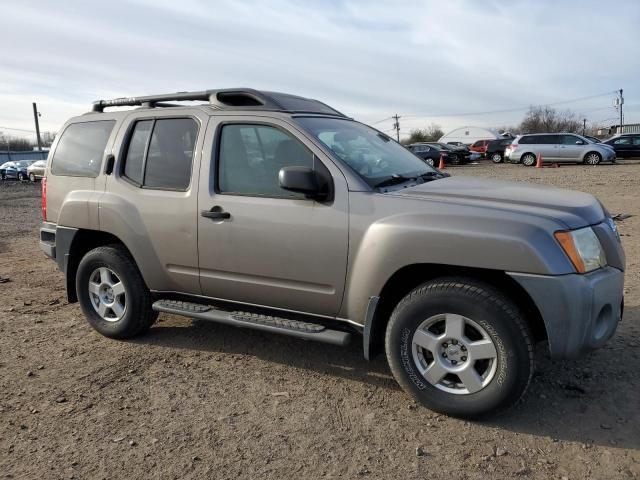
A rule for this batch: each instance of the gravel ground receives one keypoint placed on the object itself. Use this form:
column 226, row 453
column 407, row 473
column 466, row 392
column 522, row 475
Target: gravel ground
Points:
column 195, row 400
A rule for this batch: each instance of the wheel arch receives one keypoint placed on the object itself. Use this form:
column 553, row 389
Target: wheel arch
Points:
column 83, row 241
column 411, row 276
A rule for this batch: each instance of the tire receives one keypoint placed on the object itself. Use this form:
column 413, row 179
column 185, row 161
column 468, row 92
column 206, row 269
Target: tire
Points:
column 492, row 325
column 592, row 158
column 21, row 177
column 3, row 176
column 455, row 159
column 496, row 157
column 430, row 161
column 32, row 177
column 131, row 313
column 528, row 159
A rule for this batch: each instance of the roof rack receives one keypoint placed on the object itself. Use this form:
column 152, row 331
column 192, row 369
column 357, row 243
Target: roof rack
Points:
column 231, row 98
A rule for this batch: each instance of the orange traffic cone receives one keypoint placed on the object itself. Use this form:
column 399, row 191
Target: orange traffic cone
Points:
column 539, row 161
column 441, row 165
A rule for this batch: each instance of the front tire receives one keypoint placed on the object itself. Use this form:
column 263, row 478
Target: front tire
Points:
column 592, row 158
column 460, row 347
column 112, row 293
column 32, row 177
column 21, row 177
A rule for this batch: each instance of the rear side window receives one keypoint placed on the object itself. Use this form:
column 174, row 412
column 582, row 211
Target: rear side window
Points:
column 81, row 148
column 160, row 153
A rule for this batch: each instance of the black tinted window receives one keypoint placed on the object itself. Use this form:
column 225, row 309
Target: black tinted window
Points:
column 251, row 156
column 81, row 148
column 571, row 139
column 137, row 146
column 622, row 141
column 526, row 140
column 636, row 140
column 163, row 160
column 170, row 154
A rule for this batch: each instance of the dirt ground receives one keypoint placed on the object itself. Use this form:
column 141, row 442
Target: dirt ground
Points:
column 196, row 400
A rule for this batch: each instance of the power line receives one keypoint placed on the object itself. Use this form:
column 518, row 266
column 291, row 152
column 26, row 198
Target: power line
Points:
column 506, row 110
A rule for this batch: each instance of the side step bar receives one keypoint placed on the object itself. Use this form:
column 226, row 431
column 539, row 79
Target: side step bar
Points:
column 266, row 323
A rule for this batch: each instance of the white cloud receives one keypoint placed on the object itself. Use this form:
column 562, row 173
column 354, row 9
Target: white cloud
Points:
column 368, row 59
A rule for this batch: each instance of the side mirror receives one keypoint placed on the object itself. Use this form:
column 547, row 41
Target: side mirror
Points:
column 300, row 180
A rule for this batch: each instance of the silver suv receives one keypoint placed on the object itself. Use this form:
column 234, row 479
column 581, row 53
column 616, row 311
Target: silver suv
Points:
column 558, row 148
column 278, row 213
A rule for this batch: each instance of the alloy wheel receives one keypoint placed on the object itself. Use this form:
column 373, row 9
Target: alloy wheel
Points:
column 454, row 354
column 107, row 294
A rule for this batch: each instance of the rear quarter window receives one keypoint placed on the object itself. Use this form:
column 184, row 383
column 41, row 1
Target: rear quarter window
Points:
column 81, row 148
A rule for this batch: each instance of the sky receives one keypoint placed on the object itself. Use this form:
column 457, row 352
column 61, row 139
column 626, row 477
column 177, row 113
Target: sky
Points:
column 453, row 63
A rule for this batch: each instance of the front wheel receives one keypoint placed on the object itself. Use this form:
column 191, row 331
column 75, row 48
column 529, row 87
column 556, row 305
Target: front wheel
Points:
column 430, row 161
column 21, row 177
column 32, row 177
column 112, row 294
column 460, row 347
column 592, row 158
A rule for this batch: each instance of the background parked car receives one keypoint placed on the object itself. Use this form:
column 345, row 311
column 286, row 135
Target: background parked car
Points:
column 428, row 153
column 455, row 155
column 479, row 146
column 3, row 169
column 626, row 145
column 495, row 149
column 35, row 171
column 17, row 170
column 558, row 148
column 456, row 144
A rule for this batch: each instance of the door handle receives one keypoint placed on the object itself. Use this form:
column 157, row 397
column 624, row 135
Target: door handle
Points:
column 215, row 213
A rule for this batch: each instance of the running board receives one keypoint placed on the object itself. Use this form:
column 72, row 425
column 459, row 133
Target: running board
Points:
column 266, row 323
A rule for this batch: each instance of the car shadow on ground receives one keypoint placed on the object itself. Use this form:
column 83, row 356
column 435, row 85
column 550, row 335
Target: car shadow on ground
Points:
column 593, row 400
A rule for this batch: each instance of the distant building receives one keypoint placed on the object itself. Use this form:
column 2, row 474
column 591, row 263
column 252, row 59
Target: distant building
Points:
column 468, row 135
column 615, row 129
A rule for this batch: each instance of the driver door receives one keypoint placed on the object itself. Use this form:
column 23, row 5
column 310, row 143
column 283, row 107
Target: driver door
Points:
column 269, row 247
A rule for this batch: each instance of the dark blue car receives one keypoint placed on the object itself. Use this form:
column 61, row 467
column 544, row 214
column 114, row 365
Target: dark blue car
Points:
column 17, row 170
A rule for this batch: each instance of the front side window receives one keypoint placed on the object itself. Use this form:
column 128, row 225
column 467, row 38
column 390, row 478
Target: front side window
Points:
column 160, row 153
column 370, row 153
column 81, row 148
column 623, row 141
column 250, row 158
column 571, row 140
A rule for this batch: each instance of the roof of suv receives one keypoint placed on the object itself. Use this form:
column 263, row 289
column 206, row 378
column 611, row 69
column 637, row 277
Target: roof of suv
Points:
column 232, row 99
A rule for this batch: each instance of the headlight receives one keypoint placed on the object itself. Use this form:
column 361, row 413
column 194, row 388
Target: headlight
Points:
column 583, row 249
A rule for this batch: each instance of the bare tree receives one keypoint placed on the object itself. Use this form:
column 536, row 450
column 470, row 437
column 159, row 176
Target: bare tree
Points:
column 14, row 144
column 547, row 119
column 430, row 134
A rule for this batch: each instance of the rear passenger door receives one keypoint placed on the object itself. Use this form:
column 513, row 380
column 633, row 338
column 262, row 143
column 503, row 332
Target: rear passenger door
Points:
column 548, row 146
column 150, row 201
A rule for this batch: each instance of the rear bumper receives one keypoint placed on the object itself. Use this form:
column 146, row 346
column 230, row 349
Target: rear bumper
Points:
column 48, row 239
column 580, row 312
column 56, row 242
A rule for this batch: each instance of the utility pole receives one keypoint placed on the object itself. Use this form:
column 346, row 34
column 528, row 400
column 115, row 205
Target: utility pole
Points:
column 621, row 102
column 36, row 114
column 584, row 125
column 396, row 126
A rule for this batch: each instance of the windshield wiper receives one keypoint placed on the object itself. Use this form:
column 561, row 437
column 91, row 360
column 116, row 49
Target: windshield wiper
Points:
column 397, row 178
column 393, row 180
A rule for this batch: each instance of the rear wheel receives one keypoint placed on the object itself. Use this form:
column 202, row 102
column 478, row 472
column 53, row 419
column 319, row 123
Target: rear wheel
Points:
column 112, row 293
column 528, row 159
column 32, row 177
column 430, row 161
column 460, row 347
column 496, row 157
column 21, row 176
column 592, row 158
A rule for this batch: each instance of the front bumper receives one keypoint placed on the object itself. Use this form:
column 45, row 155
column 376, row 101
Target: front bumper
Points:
column 580, row 312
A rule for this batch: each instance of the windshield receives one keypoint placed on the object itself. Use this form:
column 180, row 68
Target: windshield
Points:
column 370, row 153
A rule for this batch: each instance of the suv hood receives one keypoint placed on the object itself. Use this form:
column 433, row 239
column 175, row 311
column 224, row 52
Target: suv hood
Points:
column 574, row 209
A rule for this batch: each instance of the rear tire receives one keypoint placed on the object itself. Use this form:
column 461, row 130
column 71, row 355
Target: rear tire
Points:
column 112, row 293
column 528, row 159
column 488, row 344
column 21, row 177
column 430, row 161
column 32, row 177
column 496, row 157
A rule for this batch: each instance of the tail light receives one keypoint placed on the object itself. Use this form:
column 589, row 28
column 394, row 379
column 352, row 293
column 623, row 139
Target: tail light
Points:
column 44, row 199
